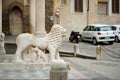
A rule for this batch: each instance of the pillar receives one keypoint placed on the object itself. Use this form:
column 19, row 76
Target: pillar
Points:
column 2, row 36
column 119, row 6
column 32, row 15
column 99, row 52
column 59, row 70
column 40, row 17
column 0, row 16
column 109, row 7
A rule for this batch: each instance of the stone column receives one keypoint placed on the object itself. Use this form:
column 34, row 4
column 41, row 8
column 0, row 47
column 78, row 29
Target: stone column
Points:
column 25, row 2
column 109, row 7
column 0, row 16
column 2, row 36
column 40, row 18
column 32, row 15
column 119, row 6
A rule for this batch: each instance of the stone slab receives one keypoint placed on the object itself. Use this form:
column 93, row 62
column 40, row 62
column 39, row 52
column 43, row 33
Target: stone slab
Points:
column 7, row 62
column 31, row 75
column 22, row 66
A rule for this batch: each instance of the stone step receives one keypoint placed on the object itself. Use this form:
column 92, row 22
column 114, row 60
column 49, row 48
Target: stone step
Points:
column 7, row 62
column 23, row 66
column 11, row 70
column 31, row 75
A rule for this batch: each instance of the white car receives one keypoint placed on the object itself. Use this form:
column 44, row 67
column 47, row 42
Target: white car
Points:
column 98, row 33
column 116, row 29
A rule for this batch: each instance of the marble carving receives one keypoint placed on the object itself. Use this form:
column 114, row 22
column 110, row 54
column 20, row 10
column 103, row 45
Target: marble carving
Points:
column 31, row 47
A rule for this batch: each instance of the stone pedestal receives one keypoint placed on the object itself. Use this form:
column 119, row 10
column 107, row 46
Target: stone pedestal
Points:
column 59, row 71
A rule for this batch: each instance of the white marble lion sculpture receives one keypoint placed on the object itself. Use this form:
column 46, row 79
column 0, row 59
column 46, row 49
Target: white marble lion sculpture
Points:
column 50, row 41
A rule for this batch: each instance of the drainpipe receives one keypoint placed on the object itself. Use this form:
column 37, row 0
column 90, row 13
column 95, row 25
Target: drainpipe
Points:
column 87, row 12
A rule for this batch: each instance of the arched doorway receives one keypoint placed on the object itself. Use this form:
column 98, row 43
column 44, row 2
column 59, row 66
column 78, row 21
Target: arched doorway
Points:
column 15, row 21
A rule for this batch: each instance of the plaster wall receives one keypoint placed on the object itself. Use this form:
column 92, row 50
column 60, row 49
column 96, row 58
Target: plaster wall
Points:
column 73, row 20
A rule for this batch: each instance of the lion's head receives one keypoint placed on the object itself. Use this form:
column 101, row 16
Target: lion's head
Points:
column 56, row 34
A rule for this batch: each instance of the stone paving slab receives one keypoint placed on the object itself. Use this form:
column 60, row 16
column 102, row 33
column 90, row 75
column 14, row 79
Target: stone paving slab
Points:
column 37, row 75
column 96, row 70
column 10, row 70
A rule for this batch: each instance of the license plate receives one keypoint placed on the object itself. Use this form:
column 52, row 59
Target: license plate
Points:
column 107, row 38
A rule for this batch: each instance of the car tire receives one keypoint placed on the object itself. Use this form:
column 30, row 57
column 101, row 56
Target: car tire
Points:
column 111, row 42
column 94, row 41
column 76, row 40
column 80, row 39
column 116, row 39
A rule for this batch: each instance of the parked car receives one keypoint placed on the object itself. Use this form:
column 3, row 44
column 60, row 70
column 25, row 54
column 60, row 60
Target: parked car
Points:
column 74, row 37
column 98, row 33
column 116, row 29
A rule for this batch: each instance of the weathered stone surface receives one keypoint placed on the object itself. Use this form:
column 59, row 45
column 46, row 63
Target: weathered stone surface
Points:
column 59, row 70
column 51, row 42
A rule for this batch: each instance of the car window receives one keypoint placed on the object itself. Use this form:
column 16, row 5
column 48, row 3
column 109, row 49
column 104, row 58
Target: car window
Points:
column 92, row 28
column 113, row 28
column 97, row 29
column 87, row 28
column 105, row 28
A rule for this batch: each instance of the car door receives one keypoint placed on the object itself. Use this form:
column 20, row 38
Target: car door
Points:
column 90, row 33
column 85, row 33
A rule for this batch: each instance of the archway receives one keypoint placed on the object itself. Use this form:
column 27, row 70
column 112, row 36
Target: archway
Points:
column 15, row 21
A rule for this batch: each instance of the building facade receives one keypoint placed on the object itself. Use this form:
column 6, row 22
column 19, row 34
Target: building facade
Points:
column 16, row 16
column 74, row 14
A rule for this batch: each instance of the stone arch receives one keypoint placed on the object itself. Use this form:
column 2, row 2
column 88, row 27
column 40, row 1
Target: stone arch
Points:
column 15, row 18
column 15, row 3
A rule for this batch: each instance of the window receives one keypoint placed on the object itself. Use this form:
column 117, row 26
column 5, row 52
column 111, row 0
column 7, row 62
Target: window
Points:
column 103, row 8
column 115, row 6
column 78, row 5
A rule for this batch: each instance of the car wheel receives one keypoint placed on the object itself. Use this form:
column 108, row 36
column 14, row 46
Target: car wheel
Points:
column 116, row 39
column 110, row 42
column 94, row 41
column 80, row 39
column 76, row 40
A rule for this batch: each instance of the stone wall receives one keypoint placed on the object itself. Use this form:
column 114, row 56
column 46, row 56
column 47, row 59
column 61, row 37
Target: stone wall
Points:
column 7, row 8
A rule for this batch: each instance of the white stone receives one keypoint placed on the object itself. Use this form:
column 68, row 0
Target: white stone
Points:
column 51, row 42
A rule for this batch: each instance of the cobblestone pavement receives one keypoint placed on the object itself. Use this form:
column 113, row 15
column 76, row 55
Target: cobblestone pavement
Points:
column 105, row 69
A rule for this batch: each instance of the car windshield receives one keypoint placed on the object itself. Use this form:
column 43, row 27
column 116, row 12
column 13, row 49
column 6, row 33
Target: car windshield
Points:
column 104, row 28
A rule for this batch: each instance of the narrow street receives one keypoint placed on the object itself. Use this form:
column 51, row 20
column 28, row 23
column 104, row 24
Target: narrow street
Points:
column 105, row 69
